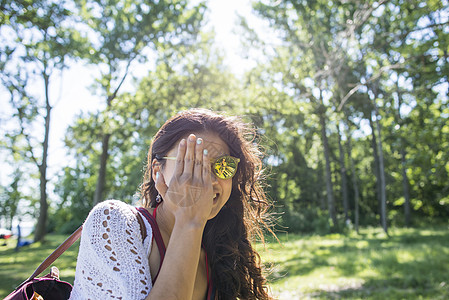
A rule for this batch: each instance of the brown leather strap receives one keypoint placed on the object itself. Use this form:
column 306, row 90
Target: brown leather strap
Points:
column 143, row 228
column 52, row 257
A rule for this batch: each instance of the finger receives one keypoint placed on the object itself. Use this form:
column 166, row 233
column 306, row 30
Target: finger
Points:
column 189, row 158
column 198, row 167
column 160, row 184
column 206, row 167
column 179, row 165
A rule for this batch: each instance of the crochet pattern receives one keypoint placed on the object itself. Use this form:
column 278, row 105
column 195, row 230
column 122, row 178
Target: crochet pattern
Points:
column 112, row 260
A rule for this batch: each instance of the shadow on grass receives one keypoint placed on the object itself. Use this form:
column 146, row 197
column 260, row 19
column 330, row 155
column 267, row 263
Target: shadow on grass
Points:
column 408, row 264
column 383, row 289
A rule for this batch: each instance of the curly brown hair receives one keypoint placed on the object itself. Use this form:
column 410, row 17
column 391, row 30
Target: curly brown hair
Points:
column 236, row 269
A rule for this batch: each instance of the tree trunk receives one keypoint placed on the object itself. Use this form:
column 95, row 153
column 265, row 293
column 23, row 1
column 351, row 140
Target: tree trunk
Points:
column 319, row 192
column 406, row 186
column 383, row 189
column 376, row 161
column 101, row 180
column 405, row 182
column 344, row 183
column 41, row 226
column 354, row 185
column 329, row 189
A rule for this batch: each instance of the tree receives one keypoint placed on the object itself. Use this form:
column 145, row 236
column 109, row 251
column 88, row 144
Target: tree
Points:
column 40, row 42
column 344, row 186
column 383, row 185
column 124, row 29
column 355, row 184
column 9, row 198
column 184, row 76
column 402, row 51
column 316, row 34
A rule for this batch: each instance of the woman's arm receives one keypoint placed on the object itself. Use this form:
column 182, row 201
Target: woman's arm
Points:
column 178, row 272
column 189, row 197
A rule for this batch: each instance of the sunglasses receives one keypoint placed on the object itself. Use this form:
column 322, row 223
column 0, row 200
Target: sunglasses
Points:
column 224, row 167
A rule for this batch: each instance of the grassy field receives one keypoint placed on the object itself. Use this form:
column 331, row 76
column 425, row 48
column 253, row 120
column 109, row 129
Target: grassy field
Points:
column 410, row 264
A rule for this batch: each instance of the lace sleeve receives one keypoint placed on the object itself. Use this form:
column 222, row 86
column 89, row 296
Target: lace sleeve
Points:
column 112, row 260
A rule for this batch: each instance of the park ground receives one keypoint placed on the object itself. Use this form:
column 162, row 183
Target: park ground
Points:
column 409, row 264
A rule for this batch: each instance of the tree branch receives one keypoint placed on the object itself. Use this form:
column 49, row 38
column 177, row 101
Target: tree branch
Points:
column 20, row 114
column 114, row 94
column 374, row 77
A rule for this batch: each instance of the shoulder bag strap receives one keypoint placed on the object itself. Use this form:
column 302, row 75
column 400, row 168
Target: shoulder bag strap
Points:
column 52, row 257
column 156, row 234
column 143, row 228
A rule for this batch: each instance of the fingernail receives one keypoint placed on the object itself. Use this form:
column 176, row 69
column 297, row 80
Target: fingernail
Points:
column 205, row 151
column 157, row 175
column 199, row 141
column 191, row 137
column 183, row 141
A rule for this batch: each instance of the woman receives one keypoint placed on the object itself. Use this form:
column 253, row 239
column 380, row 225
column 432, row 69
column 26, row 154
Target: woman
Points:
column 206, row 216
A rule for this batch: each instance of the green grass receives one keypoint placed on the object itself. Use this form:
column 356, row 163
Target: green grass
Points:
column 410, row 264
column 15, row 267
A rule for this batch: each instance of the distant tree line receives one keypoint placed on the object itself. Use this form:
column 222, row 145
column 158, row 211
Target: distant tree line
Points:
column 349, row 99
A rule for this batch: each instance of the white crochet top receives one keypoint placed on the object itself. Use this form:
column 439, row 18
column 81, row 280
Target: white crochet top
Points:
column 112, row 260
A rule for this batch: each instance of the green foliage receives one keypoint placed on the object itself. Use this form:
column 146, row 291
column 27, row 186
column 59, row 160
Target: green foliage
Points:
column 191, row 76
column 123, row 29
column 347, row 65
column 37, row 46
column 10, row 198
column 306, row 221
column 344, row 62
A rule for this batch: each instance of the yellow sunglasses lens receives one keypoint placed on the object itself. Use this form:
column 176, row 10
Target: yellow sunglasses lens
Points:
column 225, row 167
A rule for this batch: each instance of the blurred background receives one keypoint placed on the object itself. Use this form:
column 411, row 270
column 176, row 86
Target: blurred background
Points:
column 349, row 99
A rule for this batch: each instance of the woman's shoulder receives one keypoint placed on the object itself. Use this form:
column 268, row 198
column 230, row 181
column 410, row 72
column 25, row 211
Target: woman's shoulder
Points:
column 112, row 208
column 110, row 256
column 115, row 217
column 110, row 214
column 112, row 204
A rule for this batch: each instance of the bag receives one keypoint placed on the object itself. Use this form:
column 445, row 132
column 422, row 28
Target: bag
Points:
column 43, row 288
column 48, row 287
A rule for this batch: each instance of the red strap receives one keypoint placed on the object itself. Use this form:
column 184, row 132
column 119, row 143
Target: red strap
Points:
column 209, row 281
column 154, row 211
column 156, row 235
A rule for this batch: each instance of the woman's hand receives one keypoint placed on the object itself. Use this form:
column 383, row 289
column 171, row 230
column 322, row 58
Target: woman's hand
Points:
column 189, row 194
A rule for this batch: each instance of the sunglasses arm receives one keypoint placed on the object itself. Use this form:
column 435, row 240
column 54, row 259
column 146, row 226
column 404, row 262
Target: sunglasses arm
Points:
column 174, row 158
